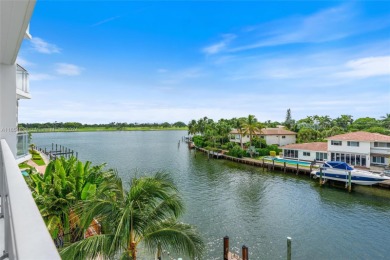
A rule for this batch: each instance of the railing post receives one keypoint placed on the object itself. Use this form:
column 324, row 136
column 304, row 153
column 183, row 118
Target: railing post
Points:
column 244, row 253
column 288, row 248
column 226, row 248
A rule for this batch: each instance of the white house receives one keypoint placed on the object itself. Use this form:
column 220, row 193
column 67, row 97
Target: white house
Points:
column 306, row 151
column 277, row 136
column 360, row 149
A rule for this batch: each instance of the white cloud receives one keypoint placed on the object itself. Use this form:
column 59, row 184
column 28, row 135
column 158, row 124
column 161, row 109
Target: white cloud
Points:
column 367, row 67
column 182, row 75
column 42, row 46
column 23, row 62
column 326, row 25
column 68, row 69
column 106, row 20
column 40, row 76
column 218, row 47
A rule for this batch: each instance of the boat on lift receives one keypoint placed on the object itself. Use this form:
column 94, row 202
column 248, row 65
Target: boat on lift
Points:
column 339, row 171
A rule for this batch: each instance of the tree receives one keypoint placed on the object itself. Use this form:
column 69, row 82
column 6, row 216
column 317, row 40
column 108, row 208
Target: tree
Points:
column 288, row 122
column 192, row 127
column 251, row 126
column 64, row 183
column 147, row 213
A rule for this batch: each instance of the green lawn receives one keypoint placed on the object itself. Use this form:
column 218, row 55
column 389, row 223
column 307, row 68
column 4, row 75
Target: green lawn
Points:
column 36, row 157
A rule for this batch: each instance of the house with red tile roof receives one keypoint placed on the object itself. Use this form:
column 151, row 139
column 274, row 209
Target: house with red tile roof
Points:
column 278, row 136
column 362, row 149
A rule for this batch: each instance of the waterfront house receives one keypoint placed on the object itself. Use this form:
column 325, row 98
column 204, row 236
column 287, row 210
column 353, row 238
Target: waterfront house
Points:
column 362, row 149
column 23, row 233
column 278, row 136
column 306, row 151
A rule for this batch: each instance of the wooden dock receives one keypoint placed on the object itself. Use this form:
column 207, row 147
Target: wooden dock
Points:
column 265, row 164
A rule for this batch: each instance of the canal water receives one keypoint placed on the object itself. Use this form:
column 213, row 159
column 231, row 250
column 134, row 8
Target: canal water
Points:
column 255, row 208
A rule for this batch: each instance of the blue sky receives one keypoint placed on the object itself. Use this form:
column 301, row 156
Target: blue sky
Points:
column 107, row 61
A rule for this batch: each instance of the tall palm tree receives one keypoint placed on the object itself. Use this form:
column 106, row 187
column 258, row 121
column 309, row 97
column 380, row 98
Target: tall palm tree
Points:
column 146, row 214
column 251, row 126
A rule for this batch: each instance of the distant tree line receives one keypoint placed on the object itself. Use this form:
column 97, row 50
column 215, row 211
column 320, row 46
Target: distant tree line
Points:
column 215, row 134
column 112, row 125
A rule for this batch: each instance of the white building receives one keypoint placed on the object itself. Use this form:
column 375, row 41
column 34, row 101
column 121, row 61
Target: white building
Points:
column 306, row 151
column 23, row 233
column 360, row 149
column 278, row 136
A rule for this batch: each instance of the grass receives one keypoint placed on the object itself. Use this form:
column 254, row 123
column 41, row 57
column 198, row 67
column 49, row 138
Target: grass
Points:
column 24, row 165
column 36, row 157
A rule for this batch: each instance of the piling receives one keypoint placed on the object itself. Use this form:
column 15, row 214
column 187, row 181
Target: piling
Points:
column 273, row 165
column 244, row 253
column 320, row 176
column 284, row 167
column 288, row 248
column 349, row 181
column 297, row 168
column 226, row 248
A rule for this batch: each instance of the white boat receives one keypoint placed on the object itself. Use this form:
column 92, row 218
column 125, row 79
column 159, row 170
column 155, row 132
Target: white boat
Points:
column 338, row 171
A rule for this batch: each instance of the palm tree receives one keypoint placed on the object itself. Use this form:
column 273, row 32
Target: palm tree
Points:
column 192, row 127
column 239, row 126
column 147, row 213
column 251, row 126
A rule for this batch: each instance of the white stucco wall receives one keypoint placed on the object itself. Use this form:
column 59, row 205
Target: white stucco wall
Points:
column 364, row 148
column 8, row 106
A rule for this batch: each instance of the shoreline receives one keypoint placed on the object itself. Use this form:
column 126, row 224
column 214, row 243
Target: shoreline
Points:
column 107, row 130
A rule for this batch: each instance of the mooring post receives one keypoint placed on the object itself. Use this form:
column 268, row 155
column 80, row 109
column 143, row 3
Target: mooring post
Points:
column 244, row 253
column 263, row 165
column 273, row 165
column 349, row 181
column 52, row 146
column 284, row 167
column 56, row 147
column 288, row 248
column 77, row 155
column 297, row 168
column 320, row 176
column 226, row 248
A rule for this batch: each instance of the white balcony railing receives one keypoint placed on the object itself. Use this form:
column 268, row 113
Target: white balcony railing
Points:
column 22, row 144
column 22, row 82
column 23, row 232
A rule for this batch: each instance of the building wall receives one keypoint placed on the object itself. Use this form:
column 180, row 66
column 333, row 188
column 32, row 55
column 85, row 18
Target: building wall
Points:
column 269, row 139
column 363, row 148
column 8, row 106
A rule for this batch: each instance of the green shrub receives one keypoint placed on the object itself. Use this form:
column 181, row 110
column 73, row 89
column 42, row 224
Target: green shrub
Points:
column 236, row 151
column 198, row 140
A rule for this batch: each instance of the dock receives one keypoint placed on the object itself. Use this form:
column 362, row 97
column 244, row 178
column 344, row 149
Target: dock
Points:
column 265, row 164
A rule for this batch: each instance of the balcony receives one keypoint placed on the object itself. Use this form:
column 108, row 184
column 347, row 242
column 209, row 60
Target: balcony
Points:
column 22, row 153
column 22, row 83
column 23, row 233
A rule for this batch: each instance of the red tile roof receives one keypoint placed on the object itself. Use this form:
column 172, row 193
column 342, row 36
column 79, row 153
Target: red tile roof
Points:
column 270, row 131
column 316, row 146
column 361, row 136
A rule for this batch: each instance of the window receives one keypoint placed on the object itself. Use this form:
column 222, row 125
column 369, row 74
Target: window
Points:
column 352, row 143
column 380, row 144
column 283, row 136
column 306, row 153
column 262, row 136
column 321, row 156
column 335, row 142
column 378, row 159
column 290, row 153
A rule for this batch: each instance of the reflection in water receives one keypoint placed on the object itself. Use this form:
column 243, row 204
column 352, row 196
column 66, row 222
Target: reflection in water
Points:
column 255, row 208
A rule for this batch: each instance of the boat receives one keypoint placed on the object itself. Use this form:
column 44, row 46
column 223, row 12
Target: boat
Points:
column 339, row 171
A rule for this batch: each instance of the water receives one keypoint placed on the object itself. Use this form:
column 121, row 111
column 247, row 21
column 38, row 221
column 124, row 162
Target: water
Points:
column 255, row 208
